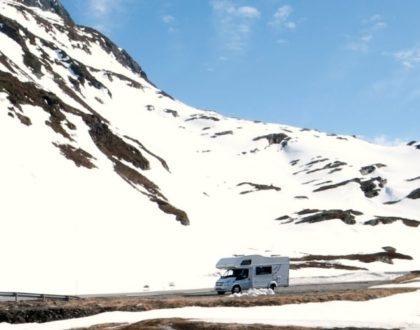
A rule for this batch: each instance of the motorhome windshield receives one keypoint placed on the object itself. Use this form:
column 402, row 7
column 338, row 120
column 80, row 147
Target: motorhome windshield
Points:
column 238, row 274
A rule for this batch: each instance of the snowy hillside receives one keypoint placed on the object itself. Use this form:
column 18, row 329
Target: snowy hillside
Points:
column 108, row 184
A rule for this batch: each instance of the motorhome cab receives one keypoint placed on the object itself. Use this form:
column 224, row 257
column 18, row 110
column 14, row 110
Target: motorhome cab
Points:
column 253, row 271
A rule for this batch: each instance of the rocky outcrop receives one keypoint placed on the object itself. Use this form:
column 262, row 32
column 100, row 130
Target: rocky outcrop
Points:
column 347, row 216
column 79, row 156
column 388, row 220
column 54, row 6
column 257, row 187
column 82, row 73
column 386, row 257
column 415, row 194
column 365, row 170
column 332, row 167
column 215, row 135
column 415, row 144
column 370, row 187
column 203, row 117
column 111, row 48
column 413, row 179
column 315, row 216
column 275, row 138
column 135, row 179
column 21, row 35
column 166, row 207
column 20, row 93
column 112, row 145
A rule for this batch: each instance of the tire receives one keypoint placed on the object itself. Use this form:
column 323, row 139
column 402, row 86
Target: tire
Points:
column 236, row 289
column 220, row 293
column 272, row 286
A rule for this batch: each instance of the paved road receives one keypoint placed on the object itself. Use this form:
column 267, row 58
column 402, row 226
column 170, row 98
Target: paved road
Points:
column 294, row 289
column 305, row 288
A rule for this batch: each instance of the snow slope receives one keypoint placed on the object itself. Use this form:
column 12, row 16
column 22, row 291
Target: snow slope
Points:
column 109, row 184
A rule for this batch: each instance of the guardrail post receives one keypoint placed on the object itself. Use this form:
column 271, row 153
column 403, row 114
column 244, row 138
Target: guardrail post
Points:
column 15, row 294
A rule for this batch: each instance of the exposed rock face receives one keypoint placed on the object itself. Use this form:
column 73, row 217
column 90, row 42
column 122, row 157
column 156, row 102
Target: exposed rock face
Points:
column 332, row 167
column 413, row 179
column 373, row 186
column 388, row 220
column 365, row 170
column 346, row 216
column 314, row 216
column 387, row 257
column 54, row 6
column 21, row 93
column 415, row 194
column 109, row 143
column 275, row 138
column 79, row 156
column 370, row 187
column 20, row 35
column 120, row 54
column 258, row 187
column 112, row 145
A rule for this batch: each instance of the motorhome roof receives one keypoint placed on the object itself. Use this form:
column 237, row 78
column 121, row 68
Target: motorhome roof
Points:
column 244, row 261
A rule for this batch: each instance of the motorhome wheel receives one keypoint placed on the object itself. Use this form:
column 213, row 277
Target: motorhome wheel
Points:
column 236, row 289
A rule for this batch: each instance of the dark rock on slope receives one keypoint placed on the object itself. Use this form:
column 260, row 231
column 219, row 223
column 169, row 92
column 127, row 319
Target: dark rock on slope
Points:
column 347, row 216
column 415, row 194
column 388, row 220
column 275, row 138
column 50, row 5
column 371, row 187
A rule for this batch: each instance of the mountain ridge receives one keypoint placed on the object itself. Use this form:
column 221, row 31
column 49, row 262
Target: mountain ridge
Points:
column 54, row 6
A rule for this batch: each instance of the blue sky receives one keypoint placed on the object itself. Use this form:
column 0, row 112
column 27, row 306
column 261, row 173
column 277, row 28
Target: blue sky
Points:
column 348, row 67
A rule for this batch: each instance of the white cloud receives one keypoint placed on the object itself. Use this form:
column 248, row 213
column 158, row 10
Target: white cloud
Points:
column 234, row 23
column 170, row 22
column 101, row 8
column 100, row 12
column 408, row 57
column 370, row 28
column 168, row 19
column 281, row 18
column 247, row 11
column 375, row 22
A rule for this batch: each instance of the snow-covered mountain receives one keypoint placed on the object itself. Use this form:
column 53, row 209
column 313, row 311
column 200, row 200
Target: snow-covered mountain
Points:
column 108, row 183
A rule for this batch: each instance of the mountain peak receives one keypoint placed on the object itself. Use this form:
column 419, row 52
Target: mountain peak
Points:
column 54, row 6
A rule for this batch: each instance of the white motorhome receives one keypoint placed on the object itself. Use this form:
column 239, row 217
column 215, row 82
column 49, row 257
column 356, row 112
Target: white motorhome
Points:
column 252, row 271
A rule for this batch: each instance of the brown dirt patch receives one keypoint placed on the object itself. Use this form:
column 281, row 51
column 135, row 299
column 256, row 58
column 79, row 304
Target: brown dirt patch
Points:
column 79, row 156
column 181, row 324
column 385, row 256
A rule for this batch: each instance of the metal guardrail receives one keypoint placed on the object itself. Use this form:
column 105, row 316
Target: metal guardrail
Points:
column 40, row 296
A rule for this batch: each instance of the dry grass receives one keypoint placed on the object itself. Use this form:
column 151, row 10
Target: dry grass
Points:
column 181, row 324
column 45, row 311
column 408, row 277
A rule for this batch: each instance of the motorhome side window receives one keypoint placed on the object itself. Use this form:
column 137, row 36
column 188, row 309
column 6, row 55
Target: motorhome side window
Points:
column 263, row 270
column 246, row 262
